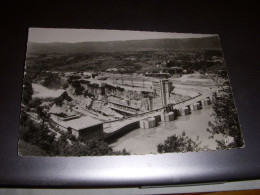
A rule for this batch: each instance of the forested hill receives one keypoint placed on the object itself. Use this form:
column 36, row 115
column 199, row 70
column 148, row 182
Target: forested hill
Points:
column 187, row 44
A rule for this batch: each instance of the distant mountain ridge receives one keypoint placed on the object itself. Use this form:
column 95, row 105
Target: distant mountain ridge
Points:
column 185, row 44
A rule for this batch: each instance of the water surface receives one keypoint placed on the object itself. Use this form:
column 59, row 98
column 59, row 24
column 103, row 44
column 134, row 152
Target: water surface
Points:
column 145, row 141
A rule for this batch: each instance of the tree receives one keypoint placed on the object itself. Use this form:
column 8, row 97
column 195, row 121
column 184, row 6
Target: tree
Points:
column 43, row 114
column 36, row 134
column 145, row 94
column 35, row 103
column 27, row 89
column 78, row 88
column 170, row 64
column 51, row 79
column 88, row 94
column 82, row 147
column 73, row 78
column 181, row 143
column 26, row 130
column 64, row 96
column 225, row 120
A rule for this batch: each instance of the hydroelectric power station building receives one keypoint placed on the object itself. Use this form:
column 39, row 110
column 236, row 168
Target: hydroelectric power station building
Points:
column 86, row 127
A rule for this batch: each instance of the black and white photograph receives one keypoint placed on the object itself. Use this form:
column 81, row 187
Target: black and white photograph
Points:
column 89, row 92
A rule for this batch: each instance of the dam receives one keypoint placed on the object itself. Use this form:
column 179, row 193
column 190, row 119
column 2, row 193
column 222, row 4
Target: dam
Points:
column 145, row 141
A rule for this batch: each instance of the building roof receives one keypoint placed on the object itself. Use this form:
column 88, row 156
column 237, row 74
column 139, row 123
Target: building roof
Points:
column 80, row 123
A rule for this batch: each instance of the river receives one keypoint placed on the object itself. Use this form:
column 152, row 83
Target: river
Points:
column 39, row 91
column 145, row 141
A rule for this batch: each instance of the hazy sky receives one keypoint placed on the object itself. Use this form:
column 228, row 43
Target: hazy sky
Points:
column 47, row 35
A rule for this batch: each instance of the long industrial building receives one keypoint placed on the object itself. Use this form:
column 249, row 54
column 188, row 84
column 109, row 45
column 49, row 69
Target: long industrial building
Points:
column 85, row 126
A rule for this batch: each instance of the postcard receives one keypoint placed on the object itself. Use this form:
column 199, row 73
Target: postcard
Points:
column 90, row 92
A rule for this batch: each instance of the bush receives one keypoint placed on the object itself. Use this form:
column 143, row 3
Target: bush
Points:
column 51, row 79
column 73, row 78
column 36, row 135
column 35, row 103
column 64, row 96
column 92, row 147
column 78, row 88
column 27, row 90
column 88, row 94
column 181, row 143
column 225, row 120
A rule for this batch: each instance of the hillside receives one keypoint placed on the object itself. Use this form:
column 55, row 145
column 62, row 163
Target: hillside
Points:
column 187, row 44
column 27, row 149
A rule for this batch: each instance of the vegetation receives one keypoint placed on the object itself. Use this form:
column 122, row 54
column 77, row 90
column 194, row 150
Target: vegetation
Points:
column 50, row 79
column 88, row 94
column 27, row 149
column 27, row 89
column 76, row 82
column 144, row 61
column 73, row 78
column 92, row 147
column 36, row 102
column 35, row 134
column 145, row 94
column 64, row 96
column 180, row 143
column 78, row 88
column 44, row 141
column 226, row 121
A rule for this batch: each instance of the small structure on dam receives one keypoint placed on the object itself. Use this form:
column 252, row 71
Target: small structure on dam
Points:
column 148, row 123
column 196, row 106
column 184, row 111
column 167, row 116
column 207, row 102
column 199, row 102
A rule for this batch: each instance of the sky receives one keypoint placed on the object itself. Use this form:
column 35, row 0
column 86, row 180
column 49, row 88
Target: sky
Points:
column 48, row 35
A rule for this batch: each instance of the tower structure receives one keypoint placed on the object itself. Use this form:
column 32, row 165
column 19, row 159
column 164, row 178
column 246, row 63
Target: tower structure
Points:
column 165, row 87
column 150, row 103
